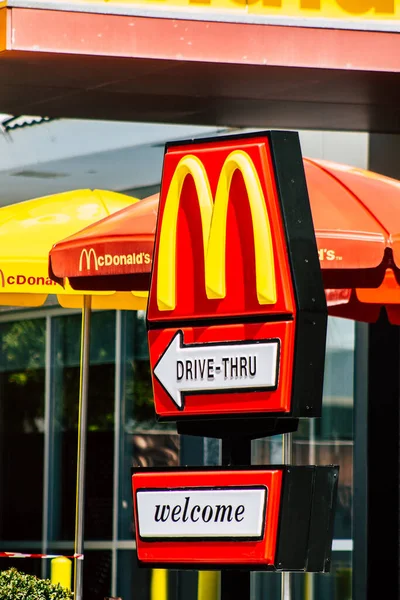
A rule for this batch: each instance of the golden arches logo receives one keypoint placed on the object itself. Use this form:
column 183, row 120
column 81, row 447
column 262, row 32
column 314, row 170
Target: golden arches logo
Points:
column 214, row 223
column 88, row 254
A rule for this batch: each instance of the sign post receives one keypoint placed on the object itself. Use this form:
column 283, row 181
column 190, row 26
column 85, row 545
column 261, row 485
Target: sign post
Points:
column 235, row 453
column 236, row 329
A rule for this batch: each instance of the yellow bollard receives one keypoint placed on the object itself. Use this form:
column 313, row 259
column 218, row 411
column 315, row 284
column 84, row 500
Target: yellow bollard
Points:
column 61, row 569
column 309, row 586
column 159, row 584
column 343, row 583
column 208, row 585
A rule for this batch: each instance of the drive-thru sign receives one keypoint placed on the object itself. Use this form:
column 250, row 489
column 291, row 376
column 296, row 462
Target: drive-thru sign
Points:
column 236, row 314
column 226, row 366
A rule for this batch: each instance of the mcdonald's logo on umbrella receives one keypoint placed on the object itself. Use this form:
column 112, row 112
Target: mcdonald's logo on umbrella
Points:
column 110, row 260
column 236, row 298
column 88, row 254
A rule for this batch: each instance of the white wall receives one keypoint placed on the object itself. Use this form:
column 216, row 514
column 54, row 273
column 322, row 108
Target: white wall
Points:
column 62, row 155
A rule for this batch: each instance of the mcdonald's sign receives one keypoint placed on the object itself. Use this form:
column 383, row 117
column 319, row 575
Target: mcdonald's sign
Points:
column 237, row 313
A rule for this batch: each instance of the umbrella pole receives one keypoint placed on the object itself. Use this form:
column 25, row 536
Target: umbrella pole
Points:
column 287, row 459
column 81, row 454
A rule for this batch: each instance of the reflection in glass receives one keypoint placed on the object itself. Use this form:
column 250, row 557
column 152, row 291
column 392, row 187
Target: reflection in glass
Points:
column 324, row 441
column 31, row 566
column 335, row 585
column 133, row 583
column 99, row 457
column 22, row 387
column 97, row 574
column 138, row 413
column 141, row 441
column 144, row 441
column 137, row 583
column 331, row 437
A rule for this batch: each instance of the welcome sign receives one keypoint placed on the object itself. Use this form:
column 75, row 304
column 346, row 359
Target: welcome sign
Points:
column 223, row 513
column 202, row 517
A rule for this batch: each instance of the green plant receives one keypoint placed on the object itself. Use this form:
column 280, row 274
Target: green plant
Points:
column 15, row 585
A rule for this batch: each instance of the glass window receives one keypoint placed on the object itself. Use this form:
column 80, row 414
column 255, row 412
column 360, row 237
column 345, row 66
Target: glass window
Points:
column 335, row 585
column 144, row 441
column 22, row 390
column 97, row 574
column 324, row 441
column 31, row 566
column 133, row 583
column 100, row 434
column 141, row 441
column 137, row 583
column 138, row 406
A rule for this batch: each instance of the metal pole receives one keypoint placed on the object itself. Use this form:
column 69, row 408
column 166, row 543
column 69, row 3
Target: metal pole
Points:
column 312, row 458
column 117, row 447
column 236, row 584
column 81, row 456
column 287, row 459
column 47, row 447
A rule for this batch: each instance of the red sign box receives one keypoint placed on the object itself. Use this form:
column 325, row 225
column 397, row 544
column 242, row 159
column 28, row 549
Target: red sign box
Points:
column 236, row 302
column 186, row 258
column 225, row 517
column 197, row 365
column 271, row 517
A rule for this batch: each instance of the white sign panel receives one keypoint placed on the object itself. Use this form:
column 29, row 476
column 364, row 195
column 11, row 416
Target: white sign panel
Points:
column 202, row 513
column 217, row 367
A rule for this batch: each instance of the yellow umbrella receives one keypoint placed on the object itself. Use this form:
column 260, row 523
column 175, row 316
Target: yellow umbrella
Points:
column 28, row 231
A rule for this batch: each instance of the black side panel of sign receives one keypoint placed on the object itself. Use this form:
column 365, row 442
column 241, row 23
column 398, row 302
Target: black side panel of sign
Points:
column 322, row 518
column 309, row 355
column 294, row 518
column 308, row 364
column 297, row 218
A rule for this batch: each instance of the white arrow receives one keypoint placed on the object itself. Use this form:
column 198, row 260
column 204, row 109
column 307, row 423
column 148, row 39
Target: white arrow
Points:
column 201, row 368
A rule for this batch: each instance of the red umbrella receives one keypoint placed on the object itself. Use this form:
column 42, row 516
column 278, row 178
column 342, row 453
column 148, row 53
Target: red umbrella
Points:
column 356, row 217
column 360, row 250
column 354, row 214
column 114, row 255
